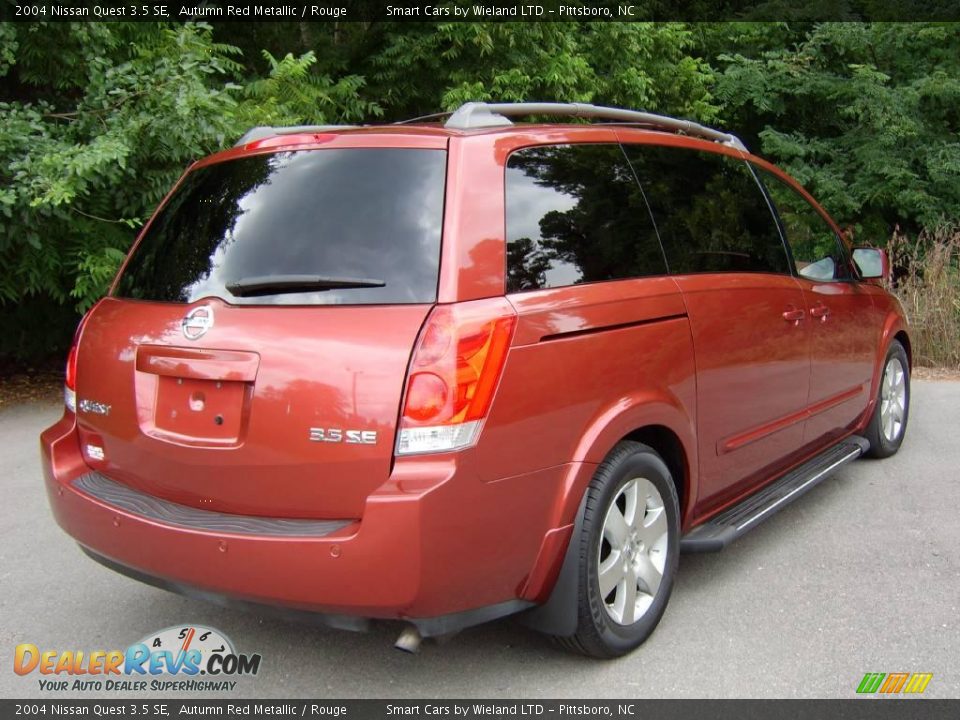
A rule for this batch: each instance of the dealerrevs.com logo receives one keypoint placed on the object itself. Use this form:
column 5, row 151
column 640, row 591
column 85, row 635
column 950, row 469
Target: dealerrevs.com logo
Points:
column 178, row 658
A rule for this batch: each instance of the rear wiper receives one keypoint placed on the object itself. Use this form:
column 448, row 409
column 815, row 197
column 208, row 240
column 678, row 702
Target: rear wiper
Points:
column 277, row 284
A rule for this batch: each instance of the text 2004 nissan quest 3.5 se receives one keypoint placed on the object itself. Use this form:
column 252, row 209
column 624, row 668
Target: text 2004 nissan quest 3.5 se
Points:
column 441, row 373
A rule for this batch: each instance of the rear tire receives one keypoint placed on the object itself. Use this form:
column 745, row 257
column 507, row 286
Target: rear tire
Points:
column 888, row 425
column 629, row 547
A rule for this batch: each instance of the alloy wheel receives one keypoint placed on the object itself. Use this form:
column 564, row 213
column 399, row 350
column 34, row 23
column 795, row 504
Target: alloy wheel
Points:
column 633, row 551
column 893, row 400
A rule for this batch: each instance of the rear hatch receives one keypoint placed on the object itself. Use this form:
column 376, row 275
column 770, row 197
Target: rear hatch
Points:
column 252, row 356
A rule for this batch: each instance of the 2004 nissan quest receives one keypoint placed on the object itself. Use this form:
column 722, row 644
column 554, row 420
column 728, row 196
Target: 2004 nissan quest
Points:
column 446, row 373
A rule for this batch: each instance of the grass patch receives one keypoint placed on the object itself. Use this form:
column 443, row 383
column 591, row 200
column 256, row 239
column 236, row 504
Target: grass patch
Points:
column 927, row 281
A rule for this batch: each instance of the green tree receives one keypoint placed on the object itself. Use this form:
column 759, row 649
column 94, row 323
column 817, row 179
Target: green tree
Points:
column 85, row 161
column 423, row 67
column 864, row 114
column 293, row 95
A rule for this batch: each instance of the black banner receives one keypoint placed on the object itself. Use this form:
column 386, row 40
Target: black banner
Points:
column 478, row 11
column 861, row 709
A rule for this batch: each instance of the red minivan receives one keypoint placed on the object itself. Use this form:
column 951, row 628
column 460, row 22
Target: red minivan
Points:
column 443, row 373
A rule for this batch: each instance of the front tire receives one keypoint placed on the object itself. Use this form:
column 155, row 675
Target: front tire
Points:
column 629, row 547
column 889, row 421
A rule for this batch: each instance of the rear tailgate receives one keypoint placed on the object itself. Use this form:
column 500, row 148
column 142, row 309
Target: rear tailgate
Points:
column 283, row 414
column 252, row 357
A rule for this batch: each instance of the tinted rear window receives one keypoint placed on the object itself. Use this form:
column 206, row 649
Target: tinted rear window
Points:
column 350, row 213
column 575, row 214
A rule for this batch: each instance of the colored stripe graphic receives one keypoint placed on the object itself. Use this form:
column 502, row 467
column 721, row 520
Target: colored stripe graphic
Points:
column 918, row 682
column 870, row 682
column 894, row 682
column 914, row 683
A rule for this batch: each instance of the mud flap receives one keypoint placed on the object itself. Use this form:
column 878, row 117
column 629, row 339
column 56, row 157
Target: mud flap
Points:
column 558, row 615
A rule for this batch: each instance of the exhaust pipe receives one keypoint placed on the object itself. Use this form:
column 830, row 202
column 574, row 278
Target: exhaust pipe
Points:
column 409, row 640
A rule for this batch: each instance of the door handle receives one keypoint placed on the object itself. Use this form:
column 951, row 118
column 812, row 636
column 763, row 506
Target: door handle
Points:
column 197, row 363
column 794, row 316
column 820, row 311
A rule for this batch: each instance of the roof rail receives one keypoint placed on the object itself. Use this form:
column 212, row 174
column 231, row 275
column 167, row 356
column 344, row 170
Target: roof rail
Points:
column 480, row 115
column 264, row 131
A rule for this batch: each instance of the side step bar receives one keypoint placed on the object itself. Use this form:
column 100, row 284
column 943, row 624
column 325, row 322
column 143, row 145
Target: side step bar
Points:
column 720, row 531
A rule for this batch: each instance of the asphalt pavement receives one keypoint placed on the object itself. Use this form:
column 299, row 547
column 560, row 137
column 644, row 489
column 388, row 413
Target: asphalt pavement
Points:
column 860, row 575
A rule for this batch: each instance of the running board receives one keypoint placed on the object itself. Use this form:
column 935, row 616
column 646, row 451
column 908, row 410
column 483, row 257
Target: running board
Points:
column 720, row 531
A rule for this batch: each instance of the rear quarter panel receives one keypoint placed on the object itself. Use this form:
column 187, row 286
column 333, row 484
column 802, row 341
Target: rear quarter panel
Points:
column 589, row 365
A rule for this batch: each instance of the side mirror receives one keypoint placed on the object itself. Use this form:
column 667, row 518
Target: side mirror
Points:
column 872, row 263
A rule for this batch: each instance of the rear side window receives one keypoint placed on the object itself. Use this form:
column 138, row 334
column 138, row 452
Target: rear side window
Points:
column 575, row 214
column 710, row 211
column 345, row 216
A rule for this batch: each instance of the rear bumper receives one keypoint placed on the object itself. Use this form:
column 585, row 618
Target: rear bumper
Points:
column 428, row 627
column 436, row 545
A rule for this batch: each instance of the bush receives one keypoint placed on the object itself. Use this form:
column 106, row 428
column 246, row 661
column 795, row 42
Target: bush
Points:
column 928, row 285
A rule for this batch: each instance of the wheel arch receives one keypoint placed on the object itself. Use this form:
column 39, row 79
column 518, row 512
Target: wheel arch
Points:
column 894, row 329
column 904, row 339
column 557, row 615
column 663, row 419
column 667, row 444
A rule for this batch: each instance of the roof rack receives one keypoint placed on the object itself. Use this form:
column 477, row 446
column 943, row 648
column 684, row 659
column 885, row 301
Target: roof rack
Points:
column 431, row 116
column 480, row 115
column 264, row 131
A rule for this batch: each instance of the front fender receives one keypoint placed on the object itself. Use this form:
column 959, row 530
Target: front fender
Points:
column 894, row 323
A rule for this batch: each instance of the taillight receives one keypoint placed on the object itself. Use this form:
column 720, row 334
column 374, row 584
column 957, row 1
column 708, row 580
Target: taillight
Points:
column 70, row 379
column 454, row 374
column 70, row 383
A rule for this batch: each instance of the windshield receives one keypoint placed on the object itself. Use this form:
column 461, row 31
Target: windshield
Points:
column 361, row 213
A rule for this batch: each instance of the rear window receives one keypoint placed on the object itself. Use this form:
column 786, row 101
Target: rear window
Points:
column 346, row 217
column 575, row 214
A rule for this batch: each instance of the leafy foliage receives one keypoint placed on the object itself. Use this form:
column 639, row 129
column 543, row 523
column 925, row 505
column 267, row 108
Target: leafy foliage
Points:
column 84, row 162
column 864, row 114
column 292, row 95
column 424, row 68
